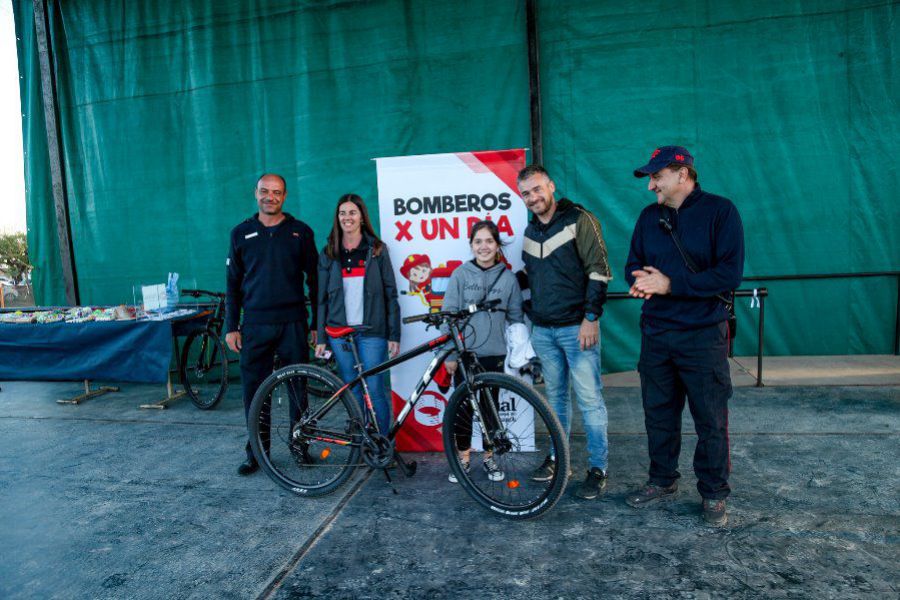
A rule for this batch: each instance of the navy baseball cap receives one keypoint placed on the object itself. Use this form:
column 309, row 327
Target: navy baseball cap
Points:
column 664, row 156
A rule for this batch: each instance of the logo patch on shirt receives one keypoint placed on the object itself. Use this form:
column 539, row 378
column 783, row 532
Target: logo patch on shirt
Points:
column 295, row 234
column 251, row 235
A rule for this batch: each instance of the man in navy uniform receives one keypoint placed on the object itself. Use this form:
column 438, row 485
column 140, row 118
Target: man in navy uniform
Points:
column 684, row 328
column 272, row 254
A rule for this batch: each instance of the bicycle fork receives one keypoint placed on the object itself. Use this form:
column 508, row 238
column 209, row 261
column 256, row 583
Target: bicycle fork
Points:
column 489, row 429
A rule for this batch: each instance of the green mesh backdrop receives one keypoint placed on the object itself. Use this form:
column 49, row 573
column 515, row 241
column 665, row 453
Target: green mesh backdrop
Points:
column 43, row 247
column 170, row 110
column 790, row 109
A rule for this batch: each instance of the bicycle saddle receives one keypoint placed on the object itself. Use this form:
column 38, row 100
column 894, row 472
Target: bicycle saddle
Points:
column 347, row 330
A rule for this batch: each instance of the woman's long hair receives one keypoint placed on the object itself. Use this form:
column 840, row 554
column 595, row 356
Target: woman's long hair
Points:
column 333, row 247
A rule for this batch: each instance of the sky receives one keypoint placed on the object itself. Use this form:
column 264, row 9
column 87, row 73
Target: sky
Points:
column 12, row 170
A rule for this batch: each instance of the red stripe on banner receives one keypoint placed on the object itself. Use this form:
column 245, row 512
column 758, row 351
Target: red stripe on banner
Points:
column 473, row 163
column 357, row 272
column 505, row 164
column 414, row 437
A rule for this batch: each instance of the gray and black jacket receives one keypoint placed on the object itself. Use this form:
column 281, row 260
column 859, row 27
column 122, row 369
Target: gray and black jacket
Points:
column 469, row 283
column 381, row 311
column 567, row 266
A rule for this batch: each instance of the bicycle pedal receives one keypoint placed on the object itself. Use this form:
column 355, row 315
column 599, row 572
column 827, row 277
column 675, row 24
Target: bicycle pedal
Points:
column 407, row 468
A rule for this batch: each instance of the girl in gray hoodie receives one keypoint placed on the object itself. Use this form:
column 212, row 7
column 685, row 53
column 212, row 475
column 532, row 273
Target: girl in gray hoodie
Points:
column 486, row 277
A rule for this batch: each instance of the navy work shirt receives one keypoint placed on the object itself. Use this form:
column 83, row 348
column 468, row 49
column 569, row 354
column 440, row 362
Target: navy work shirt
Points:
column 712, row 234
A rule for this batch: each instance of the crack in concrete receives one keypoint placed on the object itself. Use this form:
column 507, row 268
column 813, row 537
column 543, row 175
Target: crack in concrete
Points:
column 298, row 556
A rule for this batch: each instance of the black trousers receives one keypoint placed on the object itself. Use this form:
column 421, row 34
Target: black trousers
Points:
column 260, row 344
column 692, row 364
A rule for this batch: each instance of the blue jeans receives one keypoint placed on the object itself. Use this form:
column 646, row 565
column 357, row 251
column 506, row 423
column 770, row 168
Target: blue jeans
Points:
column 562, row 360
column 372, row 351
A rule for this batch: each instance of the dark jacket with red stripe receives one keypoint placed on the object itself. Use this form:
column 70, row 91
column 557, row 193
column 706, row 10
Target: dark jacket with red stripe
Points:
column 381, row 311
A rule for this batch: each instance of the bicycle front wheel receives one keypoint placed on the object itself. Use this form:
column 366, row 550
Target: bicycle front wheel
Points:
column 305, row 435
column 204, row 369
column 511, row 430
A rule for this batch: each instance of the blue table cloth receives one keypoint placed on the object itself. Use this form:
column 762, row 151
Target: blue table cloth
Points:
column 128, row 351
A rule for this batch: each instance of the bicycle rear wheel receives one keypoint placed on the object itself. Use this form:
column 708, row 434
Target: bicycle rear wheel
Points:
column 304, row 435
column 329, row 365
column 511, row 420
column 204, row 369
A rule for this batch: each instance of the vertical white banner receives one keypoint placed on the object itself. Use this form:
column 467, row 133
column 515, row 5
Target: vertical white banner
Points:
column 427, row 205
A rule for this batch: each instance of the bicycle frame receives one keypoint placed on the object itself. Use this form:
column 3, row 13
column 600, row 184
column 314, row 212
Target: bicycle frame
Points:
column 215, row 322
column 213, row 325
column 458, row 346
column 217, row 319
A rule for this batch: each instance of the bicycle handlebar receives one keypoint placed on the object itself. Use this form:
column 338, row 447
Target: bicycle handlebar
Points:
column 415, row 319
column 439, row 317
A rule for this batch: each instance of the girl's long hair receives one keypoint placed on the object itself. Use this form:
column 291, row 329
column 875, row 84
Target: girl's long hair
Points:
column 333, row 247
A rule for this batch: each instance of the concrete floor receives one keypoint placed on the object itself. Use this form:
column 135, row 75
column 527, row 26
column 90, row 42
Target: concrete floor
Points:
column 103, row 500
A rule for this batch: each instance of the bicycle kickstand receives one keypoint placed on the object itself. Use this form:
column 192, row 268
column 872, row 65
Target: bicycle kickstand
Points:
column 390, row 482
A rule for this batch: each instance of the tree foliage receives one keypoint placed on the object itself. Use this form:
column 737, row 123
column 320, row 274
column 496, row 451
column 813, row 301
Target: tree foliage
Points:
column 14, row 255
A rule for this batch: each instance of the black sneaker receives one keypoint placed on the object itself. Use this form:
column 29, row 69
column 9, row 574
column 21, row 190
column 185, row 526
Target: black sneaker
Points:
column 714, row 512
column 650, row 494
column 545, row 471
column 493, row 470
column 593, row 486
column 247, row 467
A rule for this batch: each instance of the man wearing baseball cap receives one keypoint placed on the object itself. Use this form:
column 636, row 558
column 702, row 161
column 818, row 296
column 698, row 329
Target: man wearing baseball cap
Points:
column 686, row 256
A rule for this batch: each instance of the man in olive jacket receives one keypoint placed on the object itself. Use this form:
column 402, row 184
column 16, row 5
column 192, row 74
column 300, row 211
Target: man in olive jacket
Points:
column 568, row 272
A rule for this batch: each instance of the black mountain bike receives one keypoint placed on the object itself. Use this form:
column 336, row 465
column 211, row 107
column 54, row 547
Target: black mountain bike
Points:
column 311, row 439
column 204, row 362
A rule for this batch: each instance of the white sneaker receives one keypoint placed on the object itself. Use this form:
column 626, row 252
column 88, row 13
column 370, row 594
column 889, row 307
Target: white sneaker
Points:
column 452, row 478
column 493, row 470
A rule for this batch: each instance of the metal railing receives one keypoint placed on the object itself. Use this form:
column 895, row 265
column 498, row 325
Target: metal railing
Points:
column 895, row 274
column 761, row 294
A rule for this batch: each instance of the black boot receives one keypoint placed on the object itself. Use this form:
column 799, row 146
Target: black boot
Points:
column 248, row 466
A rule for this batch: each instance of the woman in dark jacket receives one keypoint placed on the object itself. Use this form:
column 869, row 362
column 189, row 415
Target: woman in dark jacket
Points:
column 357, row 287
